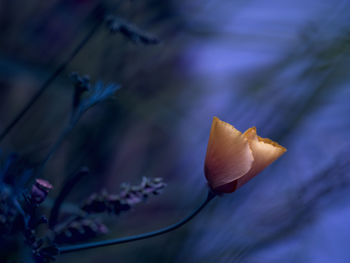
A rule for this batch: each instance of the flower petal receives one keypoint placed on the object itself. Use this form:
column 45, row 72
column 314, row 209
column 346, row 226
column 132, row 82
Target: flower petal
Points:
column 265, row 152
column 228, row 156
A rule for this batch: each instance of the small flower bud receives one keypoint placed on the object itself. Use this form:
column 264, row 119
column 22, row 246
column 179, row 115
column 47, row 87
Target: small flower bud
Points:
column 234, row 158
column 40, row 191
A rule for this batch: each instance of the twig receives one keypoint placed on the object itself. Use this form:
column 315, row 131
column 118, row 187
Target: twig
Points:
column 66, row 189
column 58, row 71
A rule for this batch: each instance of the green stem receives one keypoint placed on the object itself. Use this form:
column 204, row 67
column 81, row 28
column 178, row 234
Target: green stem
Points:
column 52, row 77
column 69, row 184
column 57, row 144
column 117, row 241
column 66, row 131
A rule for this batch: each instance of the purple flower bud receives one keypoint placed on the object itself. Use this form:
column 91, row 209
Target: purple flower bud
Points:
column 40, row 191
column 43, row 184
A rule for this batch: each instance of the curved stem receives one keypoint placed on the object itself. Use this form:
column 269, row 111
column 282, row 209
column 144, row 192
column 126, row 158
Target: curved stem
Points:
column 161, row 231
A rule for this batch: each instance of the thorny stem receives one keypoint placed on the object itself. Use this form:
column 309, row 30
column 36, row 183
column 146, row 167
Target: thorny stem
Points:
column 161, row 231
column 52, row 77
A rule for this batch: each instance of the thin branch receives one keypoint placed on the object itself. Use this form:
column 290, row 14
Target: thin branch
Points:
column 58, row 71
column 55, row 147
column 117, row 241
column 66, row 189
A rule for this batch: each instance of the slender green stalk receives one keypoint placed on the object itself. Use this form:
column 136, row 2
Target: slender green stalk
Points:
column 47, row 83
column 57, row 144
column 117, row 241
column 66, row 131
column 68, row 185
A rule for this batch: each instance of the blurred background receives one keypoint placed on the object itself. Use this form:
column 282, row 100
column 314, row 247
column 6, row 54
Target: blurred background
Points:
column 281, row 66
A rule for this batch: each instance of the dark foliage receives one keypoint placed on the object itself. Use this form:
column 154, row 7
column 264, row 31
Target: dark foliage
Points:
column 20, row 213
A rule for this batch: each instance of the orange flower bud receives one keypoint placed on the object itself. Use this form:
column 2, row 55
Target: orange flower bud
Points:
column 234, row 158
